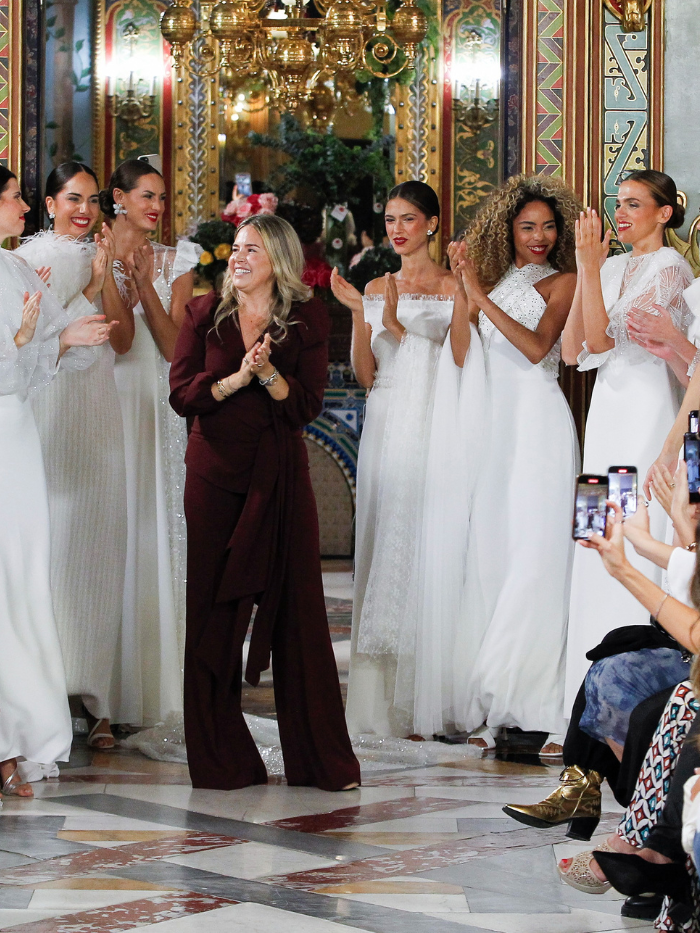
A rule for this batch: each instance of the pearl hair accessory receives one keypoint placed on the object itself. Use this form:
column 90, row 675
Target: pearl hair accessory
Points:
column 119, row 208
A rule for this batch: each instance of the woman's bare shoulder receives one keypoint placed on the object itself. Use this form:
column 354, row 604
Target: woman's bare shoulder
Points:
column 375, row 287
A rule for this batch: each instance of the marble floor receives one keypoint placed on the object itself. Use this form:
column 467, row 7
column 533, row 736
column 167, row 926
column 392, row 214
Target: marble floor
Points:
column 120, row 842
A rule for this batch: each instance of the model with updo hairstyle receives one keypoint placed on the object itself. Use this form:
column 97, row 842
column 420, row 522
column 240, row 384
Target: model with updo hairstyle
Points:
column 88, row 530
column 515, row 265
column 399, row 330
column 158, row 283
column 628, row 321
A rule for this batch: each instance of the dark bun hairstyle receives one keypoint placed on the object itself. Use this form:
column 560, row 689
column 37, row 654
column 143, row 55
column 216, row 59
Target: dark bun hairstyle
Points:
column 5, row 176
column 420, row 195
column 125, row 177
column 663, row 189
column 62, row 174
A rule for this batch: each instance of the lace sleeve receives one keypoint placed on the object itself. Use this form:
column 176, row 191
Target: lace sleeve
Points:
column 667, row 291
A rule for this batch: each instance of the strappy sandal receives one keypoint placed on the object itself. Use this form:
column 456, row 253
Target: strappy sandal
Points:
column 577, row 872
column 13, row 785
column 486, row 735
column 555, row 744
column 94, row 735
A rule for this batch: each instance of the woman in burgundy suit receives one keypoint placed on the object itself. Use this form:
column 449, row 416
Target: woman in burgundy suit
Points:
column 251, row 368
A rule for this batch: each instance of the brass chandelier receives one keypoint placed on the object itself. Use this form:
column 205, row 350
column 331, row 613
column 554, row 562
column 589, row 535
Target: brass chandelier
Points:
column 299, row 55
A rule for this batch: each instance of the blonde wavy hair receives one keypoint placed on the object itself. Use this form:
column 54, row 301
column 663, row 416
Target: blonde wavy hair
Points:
column 489, row 239
column 284, row 251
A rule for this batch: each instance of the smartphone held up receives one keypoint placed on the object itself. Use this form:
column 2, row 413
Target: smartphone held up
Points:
column 622, row 488
column 691, row 455
column 590, row 509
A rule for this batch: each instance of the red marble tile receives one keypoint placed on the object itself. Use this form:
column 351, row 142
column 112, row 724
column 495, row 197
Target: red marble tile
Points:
column 125, row 916
column 100, row 859
column 424, row 858
column 369, row 813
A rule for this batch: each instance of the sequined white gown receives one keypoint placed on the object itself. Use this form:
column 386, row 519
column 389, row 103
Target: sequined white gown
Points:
column 34, row 715
column 390, row 489
column 512, row 639
column 634, row 404
column 80, row 426
column 147, row 683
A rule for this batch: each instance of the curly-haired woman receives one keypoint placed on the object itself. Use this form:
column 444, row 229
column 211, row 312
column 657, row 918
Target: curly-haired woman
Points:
column 628, row 320
column 516, row 265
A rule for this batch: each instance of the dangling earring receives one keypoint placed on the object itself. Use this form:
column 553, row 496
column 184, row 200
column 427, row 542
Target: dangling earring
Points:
column 118, row 209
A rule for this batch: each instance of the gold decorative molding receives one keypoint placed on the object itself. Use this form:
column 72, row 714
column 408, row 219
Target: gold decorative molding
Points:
column 631, row 13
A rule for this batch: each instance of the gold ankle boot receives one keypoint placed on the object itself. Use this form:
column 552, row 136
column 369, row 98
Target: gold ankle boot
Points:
column 576, row 801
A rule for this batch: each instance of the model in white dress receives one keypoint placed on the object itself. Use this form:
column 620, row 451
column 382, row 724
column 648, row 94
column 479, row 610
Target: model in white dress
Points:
column 635, row 398
column 80, row 426
column 148, row 682
column 520, row 547
column 398, row 333
column 34, row 715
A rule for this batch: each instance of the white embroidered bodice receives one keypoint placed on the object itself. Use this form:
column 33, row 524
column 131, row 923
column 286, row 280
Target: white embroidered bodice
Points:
column 425, row 316
column 517, row 296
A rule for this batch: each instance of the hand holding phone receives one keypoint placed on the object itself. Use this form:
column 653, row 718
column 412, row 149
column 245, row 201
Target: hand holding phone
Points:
column 590, row 509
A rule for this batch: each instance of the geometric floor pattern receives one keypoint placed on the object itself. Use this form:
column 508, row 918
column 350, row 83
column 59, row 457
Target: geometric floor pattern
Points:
column 121, row 843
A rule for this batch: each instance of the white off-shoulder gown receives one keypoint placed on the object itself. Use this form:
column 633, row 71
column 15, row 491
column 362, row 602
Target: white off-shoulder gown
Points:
column 390, row 490
column 147, row 683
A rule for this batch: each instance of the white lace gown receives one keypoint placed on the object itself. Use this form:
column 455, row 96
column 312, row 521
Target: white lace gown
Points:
column 512, row 637
column 634, row 404
column 390, row 489
column 34, row 716
column 147, row 682
column 80, row 426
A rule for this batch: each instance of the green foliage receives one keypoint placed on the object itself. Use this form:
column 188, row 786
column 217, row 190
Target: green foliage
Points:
column 376, row 262
column 325, row 167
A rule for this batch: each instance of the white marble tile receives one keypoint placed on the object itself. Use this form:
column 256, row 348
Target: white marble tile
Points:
column 13, row 918
column 486, row 793
column 13, row 806
column 338, row 585
column 49, row 789
column 410, row 824
column 437, row 904
column 251, row 860
column 89, row 820
column 65, row 900
column 261, row 804
column 247, row 918
column 577, row 921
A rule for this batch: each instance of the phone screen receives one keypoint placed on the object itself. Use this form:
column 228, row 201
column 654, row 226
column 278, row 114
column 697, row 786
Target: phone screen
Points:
column 590, row 510
column 622, row 488
column 244, row 185
column 693, row 421
column 691, row 455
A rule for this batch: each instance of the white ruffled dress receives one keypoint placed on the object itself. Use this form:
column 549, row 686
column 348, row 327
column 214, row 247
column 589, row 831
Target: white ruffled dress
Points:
column 635, row 401
column 80, row 426
column 34, row 716
column 147, row 682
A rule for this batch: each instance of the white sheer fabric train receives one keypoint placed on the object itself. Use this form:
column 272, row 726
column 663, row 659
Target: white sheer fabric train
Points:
column 147, row 683
column 391, row 479
column 634, row 403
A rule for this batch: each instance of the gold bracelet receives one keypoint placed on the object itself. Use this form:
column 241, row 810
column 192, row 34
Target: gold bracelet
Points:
column 656, row 614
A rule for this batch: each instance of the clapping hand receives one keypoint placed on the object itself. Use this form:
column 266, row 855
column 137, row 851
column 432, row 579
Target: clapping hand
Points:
column 469, row 278
column 44, row 273
column 591, row 250
column 260, row 358
column 141, row 266
column 390, row 318
column 89, row 331
column 30, row 318
column 346, row 293
column 653, row 330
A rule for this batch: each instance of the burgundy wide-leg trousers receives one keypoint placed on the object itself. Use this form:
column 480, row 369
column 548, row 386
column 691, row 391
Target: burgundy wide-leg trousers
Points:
column 220, row 749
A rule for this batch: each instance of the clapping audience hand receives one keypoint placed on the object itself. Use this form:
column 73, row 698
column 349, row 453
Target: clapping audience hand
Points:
column 92, row 330
column 390, row 318
column 591, row 250
column 260, row 358
column 142, row 265
column 684, row 513
column 662, row 486
column 346, row 293
column 44, row 273
column 30, row 318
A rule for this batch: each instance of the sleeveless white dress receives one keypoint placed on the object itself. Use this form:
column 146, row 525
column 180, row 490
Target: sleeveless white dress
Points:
column 635, row 401
column 512, row 637
column 34, row 716
column 80, row 426
column 147, row 682
column 390, row 488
